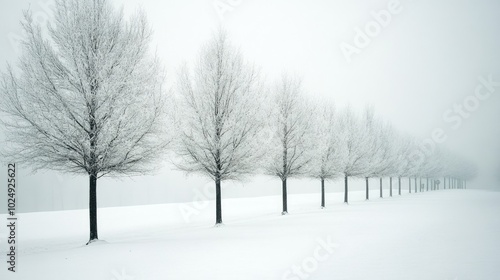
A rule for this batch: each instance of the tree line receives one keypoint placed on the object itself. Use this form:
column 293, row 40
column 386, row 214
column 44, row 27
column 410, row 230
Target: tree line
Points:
column 88, row 96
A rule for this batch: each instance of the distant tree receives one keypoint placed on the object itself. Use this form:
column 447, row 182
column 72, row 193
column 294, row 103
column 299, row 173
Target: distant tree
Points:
column 402, row 167
column 389, row 162
column 290, row 123
column 459, row 170
column 380, row 160
column 86, row 96
column 325, row 146
column 400, row 153
column 218, row 116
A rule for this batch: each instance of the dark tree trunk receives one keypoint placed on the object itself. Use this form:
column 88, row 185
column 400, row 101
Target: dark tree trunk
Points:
column 218, row 203
column 444, row 183
column 285, row 208
column 381, row 194
column 367, row 189
column 93, row 207
column 390, row 186
column 409, row 185
column 427, row 185
column 322, row 193
column 420, row 181
column 399, row 185
column 346, row 198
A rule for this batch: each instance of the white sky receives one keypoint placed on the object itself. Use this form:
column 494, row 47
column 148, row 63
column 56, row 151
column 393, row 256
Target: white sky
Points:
column 427, row 59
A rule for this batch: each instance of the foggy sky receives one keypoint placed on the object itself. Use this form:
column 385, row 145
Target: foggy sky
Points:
column 425, row 63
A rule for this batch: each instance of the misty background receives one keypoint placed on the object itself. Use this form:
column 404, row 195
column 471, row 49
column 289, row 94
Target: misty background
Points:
column 425, row 62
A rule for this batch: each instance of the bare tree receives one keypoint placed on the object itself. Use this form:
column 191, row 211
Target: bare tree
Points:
column 325, row 146
column 218, row 116
column 288, row 151
column 86, row 96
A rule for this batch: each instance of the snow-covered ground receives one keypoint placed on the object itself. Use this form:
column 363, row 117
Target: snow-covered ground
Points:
column 447, row 234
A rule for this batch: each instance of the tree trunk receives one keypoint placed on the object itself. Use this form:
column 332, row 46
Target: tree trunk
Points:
column 420, row 181
column 285, row 208
column 367, row 189
column 409, row 185
column 218, row 203
column 346, row 200
column 381, row 194
column 399, row 187
column 415, row 184
column 93, row 207
column 427, row 185
column 390, row 186
column 322, row 193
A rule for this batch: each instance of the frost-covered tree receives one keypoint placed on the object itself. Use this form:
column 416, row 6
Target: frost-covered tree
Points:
column 290, row 123
column 402, row 167
column 218, row 116
column 380, row 159
column 388, row 162
column 399, row 152
column 325, row 156
column 356, row 147
column 86, row 95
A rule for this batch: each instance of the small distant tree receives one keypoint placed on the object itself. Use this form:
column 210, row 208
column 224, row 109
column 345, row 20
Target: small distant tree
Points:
column 378, row 159
column 290, row 123
column 325, row 146
column 387, row 166
column 402, row 167
column 218, row 116
column 86, row 96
